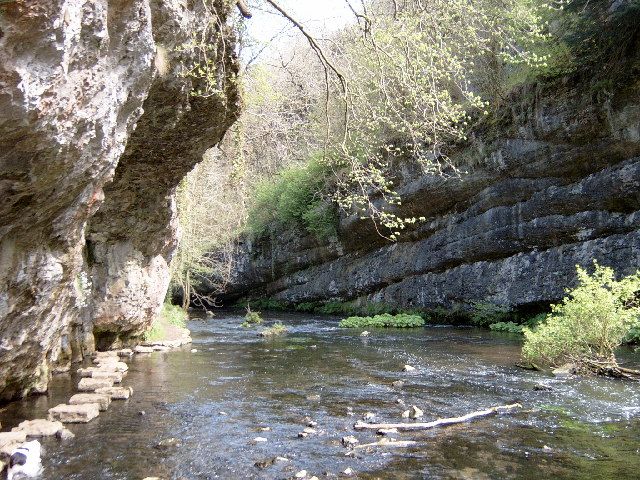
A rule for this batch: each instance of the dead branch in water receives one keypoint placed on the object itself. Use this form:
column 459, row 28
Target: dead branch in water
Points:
column 437, row 423
column 388, row 443
column 610, row 368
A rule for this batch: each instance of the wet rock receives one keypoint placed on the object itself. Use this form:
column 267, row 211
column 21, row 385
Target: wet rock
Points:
column 348, row 472
column 116, row 393
column 113, row 365
column 408, row 368
column 301, row 474
column 114, row 377
column 142, row 413
column 257, row 440
column 167, row 443
column 349, row 441
column 103, row 400
column 541, row 387
column 264, row 429
column 74, row 413
column 194, row 350
column 125, row 353
column 161, row 348
column 39, row 428
column 143, row 349
column 312, row 424
column 565, row 370
column 314, row 398
column 89, row 384
column 387, row 431
column 310, row 431
column 9, row 438
column 368, row 416
column 400, row 401
column 365, row 334
column 65, row 434
column 415, row 412
column 398, row 384
column 303, row 435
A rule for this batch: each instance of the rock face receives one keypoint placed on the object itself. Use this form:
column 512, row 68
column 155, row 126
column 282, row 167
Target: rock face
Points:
column 554, row 182
column 96, row 116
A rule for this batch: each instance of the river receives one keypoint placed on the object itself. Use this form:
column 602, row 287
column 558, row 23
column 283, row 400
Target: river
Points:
column 237, row 387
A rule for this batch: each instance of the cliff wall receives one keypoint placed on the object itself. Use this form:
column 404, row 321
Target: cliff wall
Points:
column 553, row 181
column 95, row 116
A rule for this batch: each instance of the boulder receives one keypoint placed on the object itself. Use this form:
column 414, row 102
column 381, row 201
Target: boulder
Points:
column 39, row 428
column 74, row 413
column 102, row 399
column 92, row 384
column 65, row 434
column 349, row 441
column 116, row 393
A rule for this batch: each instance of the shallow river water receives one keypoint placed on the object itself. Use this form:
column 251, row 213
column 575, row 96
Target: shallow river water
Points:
column 215, row 401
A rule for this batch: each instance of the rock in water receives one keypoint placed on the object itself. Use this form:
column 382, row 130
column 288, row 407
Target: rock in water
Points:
column 74, row 413
column 39, row 428
column 102, row 399
column 408, row 368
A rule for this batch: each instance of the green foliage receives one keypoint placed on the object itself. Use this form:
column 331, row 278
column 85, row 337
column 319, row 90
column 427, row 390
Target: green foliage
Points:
column 275, row 330
column 174, row 315
column 293, row 199
column 156, row 333
column 484, row 314
column 514, row 327
column 252, row 319
column 401, row 320
column 633, row 335
column 590, row 323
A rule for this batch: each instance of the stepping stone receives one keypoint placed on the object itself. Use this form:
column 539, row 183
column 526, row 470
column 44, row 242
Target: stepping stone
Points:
column 115, row 377
column 110, row 353
column 39, row 428
column 160, row 348
column 113, row 366
column 125, row 352
column 9, row 438
column 74, row 413
column 102, row 399
column 142, row 349
column 92, row 384
column 116, row 393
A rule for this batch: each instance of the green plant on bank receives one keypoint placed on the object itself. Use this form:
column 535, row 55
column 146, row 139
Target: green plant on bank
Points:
column 170, row 315
column 401, row 320
column 294, row 199
column 252, row 319
column 484, row 314
column 514, row 327
column 590, row 322
column 275, row 330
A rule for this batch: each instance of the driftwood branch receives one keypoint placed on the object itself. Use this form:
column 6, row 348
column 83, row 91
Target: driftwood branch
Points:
column 437, row 423
column 388, row 443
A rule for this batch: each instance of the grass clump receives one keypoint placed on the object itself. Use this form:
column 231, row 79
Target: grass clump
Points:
column 513, row 327
column 252, row 319
column 274, row 330
column 401, row 320
column 589, row 324
column 483, row 314
column 169, row 315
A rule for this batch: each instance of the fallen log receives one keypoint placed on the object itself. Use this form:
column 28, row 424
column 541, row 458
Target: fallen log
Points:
column 437, row 423
column 388, row 443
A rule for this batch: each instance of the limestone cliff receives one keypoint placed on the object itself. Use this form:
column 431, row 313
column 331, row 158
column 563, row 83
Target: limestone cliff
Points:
column 553, row 182
column 95, row 116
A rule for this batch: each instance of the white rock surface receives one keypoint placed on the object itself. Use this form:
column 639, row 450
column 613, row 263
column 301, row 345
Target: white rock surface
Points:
column 74, row 413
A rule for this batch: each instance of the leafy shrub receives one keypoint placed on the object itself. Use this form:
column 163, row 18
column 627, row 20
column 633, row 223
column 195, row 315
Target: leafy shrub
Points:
column 484, row 314
column 293, row 199
column 633, row 335
column 276, row 329
column 251, row 319
column 513, row 327
column 401, row 320
column 590, row 323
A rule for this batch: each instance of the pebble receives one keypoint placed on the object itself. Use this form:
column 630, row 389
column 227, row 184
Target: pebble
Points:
column 415, row 412
column 194, row 350
column 368, row 416
column 387, row 431
column 259, row 440
column 409, row 368
column 301, row 474
column 349, row 441
column 303, row 435
column 348, row 472
column 312, row 424
column 398, row 384
column 364, row 334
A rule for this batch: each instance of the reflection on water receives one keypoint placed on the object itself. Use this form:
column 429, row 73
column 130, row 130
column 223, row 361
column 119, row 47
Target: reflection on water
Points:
column 216, row 401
